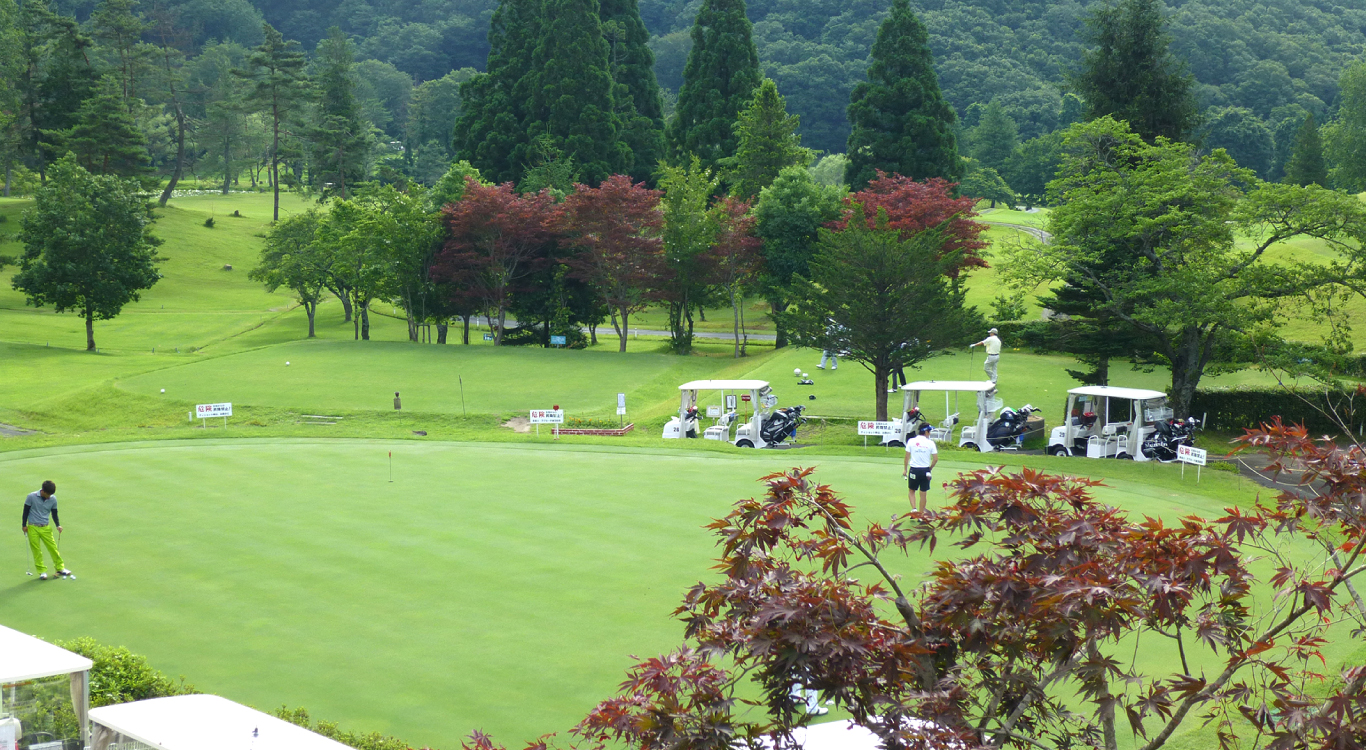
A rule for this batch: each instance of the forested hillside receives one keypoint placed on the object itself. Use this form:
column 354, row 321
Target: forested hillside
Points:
column 1256, row 54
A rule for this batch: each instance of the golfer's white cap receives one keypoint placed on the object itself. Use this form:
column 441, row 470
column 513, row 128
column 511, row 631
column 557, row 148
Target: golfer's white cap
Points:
column 993, row 330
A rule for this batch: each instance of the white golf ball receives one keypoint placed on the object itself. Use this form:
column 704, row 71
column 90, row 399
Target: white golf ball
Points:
column 163, row 390
column 797, row 371
column 805, row 375
column 286, row 364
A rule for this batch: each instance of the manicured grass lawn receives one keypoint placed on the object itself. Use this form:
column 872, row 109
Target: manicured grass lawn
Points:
column 489, row 587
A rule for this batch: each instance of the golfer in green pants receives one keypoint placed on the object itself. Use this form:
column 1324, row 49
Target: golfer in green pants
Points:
column 39, row 507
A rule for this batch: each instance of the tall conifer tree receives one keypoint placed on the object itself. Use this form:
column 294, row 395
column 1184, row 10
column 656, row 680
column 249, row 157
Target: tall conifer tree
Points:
column 639, row 104
column 718, row 80
column 768, row 143
column 1131, row 74
column 105, row 139
column 276, row 70
column 901, row 122
column 994, row 139
column 491, row 133
column 1306, row 165
column 340, row 134
column 572, row 91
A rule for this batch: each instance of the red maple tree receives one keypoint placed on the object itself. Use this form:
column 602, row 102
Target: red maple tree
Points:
column 495, row 239
column 913, row 207
column 617, row 227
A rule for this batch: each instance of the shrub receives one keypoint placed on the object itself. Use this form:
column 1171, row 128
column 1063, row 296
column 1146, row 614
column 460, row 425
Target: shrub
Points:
column 371, row 741
column 120, row 676
column 209, row 222
column 1244, row 407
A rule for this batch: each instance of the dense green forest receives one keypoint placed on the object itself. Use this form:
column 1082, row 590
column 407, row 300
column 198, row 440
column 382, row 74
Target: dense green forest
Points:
column 1276, row 58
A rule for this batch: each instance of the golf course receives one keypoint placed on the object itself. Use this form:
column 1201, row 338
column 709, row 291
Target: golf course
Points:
column 431, row 571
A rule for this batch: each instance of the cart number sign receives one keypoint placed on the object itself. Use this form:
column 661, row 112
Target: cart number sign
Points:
column 207, row 411
column 1189, row 455
column 621, row 403
column 547, row 416
column 730, row 402
column 877, row 428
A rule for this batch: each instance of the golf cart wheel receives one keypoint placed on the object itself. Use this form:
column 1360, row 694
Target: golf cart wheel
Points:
column 895, row 444
column 743, row 444
column 1058, row 450
column 1124, row 457
column 972, row 447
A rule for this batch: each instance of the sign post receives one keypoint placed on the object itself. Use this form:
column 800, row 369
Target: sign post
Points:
column 1188, row 455
column 621, row 409
column 204, row 411
column 548, row 416
column 870, row 427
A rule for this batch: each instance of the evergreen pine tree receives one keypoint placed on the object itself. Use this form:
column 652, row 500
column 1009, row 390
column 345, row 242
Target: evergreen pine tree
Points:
column 340, row 134
column 901, row 122
column 491, row 132
column 1306, row 165
column 718, row 81
column 105, row 139
column 276, row 70
column 640, row 106
column 571, row 87
column 995, row 137
column 1131, row 74
column 768, row 143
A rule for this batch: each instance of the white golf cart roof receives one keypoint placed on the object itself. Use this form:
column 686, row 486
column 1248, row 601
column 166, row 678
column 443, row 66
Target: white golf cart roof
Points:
column 949, row 385
column 724, row 385
column 206, row 722
column 23, row 657
column 1107, row 391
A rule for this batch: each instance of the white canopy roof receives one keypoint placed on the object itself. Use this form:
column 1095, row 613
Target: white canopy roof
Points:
column 724, row 385
column 1136, row 394
column 839, row 735
column 206, row 722
column 23, row 657
column 949, row 385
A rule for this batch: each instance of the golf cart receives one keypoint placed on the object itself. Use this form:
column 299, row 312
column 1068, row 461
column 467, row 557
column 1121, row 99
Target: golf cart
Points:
column 985, row 403
column 1103, row 421
column 766, row 426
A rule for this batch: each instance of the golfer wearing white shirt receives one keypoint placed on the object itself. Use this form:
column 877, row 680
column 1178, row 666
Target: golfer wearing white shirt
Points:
column 921, row 456
column 993, row 349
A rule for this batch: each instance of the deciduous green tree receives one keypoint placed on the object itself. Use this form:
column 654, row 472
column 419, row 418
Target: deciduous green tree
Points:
column 1131, row 74
column 718, row 81
column 1306, row 165
column 293, row 258
column 1344, row 138
column 1243, row 135
column 688, row 233
column 88, row 245
column 788, row 218
column 902, row 124
column 767, row 143
column 994, row 139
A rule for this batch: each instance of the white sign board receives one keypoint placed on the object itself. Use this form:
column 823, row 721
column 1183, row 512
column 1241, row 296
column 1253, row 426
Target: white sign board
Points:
column 1189, row 455
column 877, row 428
column 206, row 411
column 730, row 402
column 547, row 416
column 621, row 403
column 713, row 411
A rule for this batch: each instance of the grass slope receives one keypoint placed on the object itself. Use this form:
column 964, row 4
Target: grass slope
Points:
column 501, row 588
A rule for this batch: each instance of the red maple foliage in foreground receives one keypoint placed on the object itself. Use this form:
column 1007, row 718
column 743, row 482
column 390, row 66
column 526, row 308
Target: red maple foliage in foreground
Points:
column 1027, row 635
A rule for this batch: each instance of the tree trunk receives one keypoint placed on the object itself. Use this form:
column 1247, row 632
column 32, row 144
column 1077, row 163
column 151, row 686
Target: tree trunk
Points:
column 624, row 330
column 179, row 155
column 89, row 330
column 880, row 373
column 735, row 327
column 275, row 157
column 465, row 338
column 498, row 334
column 345, row 298
column 312, row 309
column 1188, row 365
column 780, row 333
column 441, row 329
column 412, row 328
column 744, row 335
column 365, row 321
column 9, row 169
column 593, row 334
column 227, row 172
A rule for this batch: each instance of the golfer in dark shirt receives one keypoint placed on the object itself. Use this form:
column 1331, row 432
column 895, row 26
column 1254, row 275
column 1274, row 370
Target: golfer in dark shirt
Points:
column 39, row 508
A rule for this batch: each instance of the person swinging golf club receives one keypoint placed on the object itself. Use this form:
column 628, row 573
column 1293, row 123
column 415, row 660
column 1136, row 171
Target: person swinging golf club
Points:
column 39, row 508
column 992, row 346
column 921, row 456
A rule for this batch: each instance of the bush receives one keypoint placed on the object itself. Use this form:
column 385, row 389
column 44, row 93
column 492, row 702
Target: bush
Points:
column 371, row 741
column 209, row 222
column 120, row 676
column 1236, row 409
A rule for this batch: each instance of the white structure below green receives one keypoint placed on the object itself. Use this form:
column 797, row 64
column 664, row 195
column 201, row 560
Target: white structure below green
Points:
column 199, row 722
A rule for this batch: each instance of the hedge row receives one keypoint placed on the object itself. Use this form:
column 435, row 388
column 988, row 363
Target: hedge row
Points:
column 1234, row 409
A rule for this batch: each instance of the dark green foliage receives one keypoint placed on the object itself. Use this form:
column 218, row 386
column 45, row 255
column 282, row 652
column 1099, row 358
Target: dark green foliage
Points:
column 1243, row 407
column 1242, row 134
column 120, row 676
column 718, row 81
column 88, row 245
column 1131, row 75
column 1033, row 166
column 901, row 123
column 1285, row 123
column 1306, row 165
column 768, row 143
column 788, row 218
column 637, row 96
column 993, row 140
column 572, row 107
column 340, row 135
column 329, row 729
column 432, row 111
column 986, row 184
column 490, row 133
column 278, row 88
column 105, row 139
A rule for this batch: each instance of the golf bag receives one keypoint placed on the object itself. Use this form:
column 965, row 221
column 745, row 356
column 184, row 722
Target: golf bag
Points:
column 782, row 424
column 912, row 421
column 1008, row 430
column 690, row 423
column 1167, row 436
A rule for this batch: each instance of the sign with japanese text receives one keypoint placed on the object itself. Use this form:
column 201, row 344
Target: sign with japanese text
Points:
column 207, row 411
column 1188, row 455
column 868, row 427
column 547, row 416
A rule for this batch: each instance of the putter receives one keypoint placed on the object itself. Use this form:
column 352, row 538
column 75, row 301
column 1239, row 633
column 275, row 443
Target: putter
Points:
column 28, row 566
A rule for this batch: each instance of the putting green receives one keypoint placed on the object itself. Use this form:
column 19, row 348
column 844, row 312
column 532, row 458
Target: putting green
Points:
column 494, row 587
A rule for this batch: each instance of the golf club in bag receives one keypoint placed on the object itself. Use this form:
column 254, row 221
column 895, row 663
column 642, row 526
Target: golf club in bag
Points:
column 782, row 424
column 1169, row 435
column 1008, row 430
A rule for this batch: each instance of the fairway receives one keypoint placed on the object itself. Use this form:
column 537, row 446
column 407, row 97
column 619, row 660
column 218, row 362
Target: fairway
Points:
column 501, row 588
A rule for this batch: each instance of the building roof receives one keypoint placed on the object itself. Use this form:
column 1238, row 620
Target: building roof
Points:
column 24, row 657
column 949, row 385
column 724, row 385
column 1109, row 391
column 206, row 722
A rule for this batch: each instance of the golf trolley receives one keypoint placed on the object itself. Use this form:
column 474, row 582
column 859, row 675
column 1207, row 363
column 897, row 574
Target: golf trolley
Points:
column 767, row 425
column 985, row 404
column 1103, row 421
